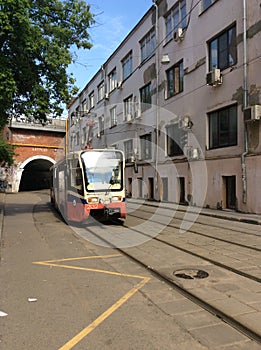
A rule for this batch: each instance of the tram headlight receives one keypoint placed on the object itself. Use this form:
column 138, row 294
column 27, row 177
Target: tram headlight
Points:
column 116, row 199
column 93, row 200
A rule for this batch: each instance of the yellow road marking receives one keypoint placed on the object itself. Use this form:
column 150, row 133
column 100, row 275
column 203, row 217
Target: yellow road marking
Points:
column 75, row 340
column 83, row 333
column 82, row 258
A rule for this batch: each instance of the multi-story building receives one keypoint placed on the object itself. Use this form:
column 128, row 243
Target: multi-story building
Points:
column 181, row 96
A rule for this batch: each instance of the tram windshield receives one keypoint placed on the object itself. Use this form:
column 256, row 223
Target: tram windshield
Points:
column 103, row 170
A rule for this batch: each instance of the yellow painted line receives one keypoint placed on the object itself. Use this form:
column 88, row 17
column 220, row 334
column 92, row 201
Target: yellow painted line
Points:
column 83, row 333
column 75, row 340
column 88, row 269
column 83, row 258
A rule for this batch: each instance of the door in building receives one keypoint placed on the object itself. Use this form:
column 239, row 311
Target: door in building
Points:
column 230, row 183
column 139, row 187
column 165, row 189
column 129, row 190
column 182, row 199
column 151, row 188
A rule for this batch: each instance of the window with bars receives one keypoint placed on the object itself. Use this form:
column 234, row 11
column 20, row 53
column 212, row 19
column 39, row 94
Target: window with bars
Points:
column 223, row 50
column 148, row 45
column 175, row 79
column 223, row 127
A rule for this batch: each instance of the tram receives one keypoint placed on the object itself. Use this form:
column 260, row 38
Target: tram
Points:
column 89, row 183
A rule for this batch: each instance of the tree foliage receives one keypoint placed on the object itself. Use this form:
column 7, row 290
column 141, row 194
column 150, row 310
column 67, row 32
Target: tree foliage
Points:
column 36, row 37
column 7, row 152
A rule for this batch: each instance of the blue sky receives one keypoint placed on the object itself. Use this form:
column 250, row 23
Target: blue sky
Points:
column 115, row 19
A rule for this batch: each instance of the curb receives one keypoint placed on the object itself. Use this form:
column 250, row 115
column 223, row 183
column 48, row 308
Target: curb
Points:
column 224, row 215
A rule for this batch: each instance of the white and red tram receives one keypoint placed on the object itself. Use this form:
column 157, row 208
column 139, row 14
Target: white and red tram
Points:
column 89, row 182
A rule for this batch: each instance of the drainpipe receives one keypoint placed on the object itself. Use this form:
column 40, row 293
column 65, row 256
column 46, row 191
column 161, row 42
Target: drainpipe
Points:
column 104, row 72
column 245, row 104
column 157, row 95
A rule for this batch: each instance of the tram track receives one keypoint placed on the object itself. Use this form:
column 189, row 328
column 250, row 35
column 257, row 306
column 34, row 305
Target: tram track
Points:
column 199, row 222
column 203, row 234
column 225, row 317
column 101, row 233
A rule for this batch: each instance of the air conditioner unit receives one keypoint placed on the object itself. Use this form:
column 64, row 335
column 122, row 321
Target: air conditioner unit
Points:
column 107, row 96
column 193, row 153
column 178, row 35
column 119, row 84
column 214, row 77
column 252, row 113
column 185, row 122
column 129, row 117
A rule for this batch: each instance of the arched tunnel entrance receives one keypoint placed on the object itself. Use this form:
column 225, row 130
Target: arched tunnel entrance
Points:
column 36, row 175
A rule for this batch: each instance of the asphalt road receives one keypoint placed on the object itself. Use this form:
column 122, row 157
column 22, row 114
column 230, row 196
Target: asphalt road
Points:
column 61, row 291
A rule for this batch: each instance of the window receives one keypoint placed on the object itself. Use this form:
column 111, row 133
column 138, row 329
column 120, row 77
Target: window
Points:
column 127, row 66
column 128, row 150
column 145, row 97
column 176, row 140
column 101, row 125
column 113, row 116
column 101, row 91
column 175, row 80
column 91, row 99
column 148, row 45
column 223, row 128
column 77, row 139
column 112, row 80
column 145, row 145
column 206, row 3
column 223, row 50
column 128, row 108
column 84, row 136
column 175, row 19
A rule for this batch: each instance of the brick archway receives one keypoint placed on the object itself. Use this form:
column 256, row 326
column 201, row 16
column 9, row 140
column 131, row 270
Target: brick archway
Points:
column 33, row 173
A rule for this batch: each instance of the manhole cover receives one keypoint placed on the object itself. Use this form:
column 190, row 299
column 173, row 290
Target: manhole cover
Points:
column 190, row 274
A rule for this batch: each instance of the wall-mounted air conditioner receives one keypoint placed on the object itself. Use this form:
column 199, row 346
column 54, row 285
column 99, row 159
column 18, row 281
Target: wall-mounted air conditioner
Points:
column 214, row 77
column 178, row 35
column 129, row 118
column 107, row 96
column 193, row 153
column 185, row 122
column 252, row 113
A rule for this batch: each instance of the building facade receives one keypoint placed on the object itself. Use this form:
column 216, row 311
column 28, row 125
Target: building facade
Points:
column 181, row 96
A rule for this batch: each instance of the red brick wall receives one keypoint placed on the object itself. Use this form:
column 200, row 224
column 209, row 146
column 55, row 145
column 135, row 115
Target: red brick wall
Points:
column 36, row 142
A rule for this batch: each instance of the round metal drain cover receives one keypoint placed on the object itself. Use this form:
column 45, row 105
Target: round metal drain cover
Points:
column 190, row 274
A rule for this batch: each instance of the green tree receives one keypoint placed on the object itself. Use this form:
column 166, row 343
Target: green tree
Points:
column 7, row 152
column 36, row 38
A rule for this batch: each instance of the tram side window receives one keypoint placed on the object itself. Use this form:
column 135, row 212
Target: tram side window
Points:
column 76, row 177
